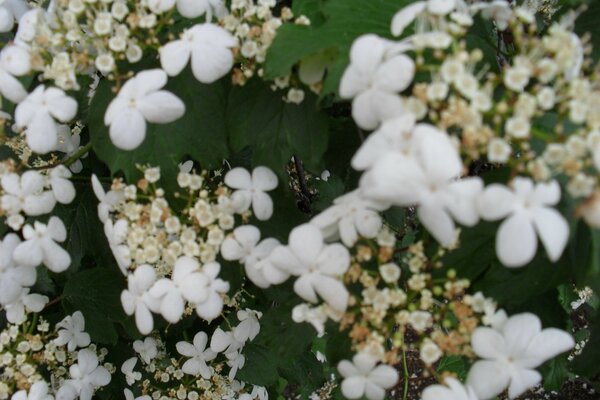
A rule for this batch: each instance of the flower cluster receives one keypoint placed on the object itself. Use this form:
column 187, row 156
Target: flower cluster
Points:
column 38, row 363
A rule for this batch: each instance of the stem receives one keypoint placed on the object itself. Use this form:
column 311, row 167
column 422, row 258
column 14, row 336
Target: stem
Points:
column 53, row 301
column 78, row 154
column 405, row 368
column 304, row 192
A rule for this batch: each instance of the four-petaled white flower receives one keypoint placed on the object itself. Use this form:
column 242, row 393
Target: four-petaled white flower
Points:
column 224, row 342
column 127, row 369
column 37, row 391
column 146, row 349
column 187, row 282
column 511, row 353
column 212, row 306
column 13, row 277
column 199, row 354
column 363, row 378
column 454, row 390
column 244, row 246
column 372, row 81
column 350, row 215
column 26, row 302
column 26, row 193
column 251, row 190
column 108, row 201
column 116, row 234
column 62, row 187
column 139, row 101
column 86, row 377
column 196, row 8
column 11, row 10
column 248, row 327
column 40, row 246
column 137, row 300
column 527, row 209
column 318, row 266
column 72, row 333
column 69, row 144
column 209, row 47
column 427, row 175
column 14, row 61
column 39, row 111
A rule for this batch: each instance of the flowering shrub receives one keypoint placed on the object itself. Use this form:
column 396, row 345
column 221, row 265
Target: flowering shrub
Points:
column 208, row 199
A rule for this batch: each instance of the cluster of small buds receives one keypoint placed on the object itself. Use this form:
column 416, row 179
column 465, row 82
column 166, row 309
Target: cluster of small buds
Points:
column 584, row 295
column 255, row 26
column 31, row 351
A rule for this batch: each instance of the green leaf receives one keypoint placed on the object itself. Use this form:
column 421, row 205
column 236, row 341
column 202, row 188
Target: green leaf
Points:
column 275, row 130
column 476, row 252
column 261, row 365
column 305, row 371
column 327, row 191
column 96, row 293
column 345, row 20
column 455, row 364
column 587, row 22
column 586, row 363
column 555, row 372
column 199, row 134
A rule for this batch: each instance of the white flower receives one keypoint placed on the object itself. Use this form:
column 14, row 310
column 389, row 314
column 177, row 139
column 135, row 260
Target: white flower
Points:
column 248, row 327
column 108, row 201
column 137, row 300
column 11, row 10
column 406, row 16
column 26, row 193
column 160, row 6
column 72, row 334
column 187, row 282
column 251, row 190
column 427, row 176
column 127, row 369
column 498, row 150
column 209, row 47
column 116, row 234
column 511, row 353
column 13, row 277
column 372, row 81
column 196, row 8
column 390, row 272
column 211, row 308
column 498, row 10
column 39, row 111
column 146, row 349
column 199, row 354
column 527, row 209
column 454, row 390
column 351, row 215
column 363, row 378
column 86, row 377
column 130, row 396
column 14, row 61
column 430, row 352
column 140, row 101
column 40, row 246
column 224, row 342
column 518, row 127
column 62, row 187
column 244, row 246
column 15, row 311
column 37, row 391
column 317, row 265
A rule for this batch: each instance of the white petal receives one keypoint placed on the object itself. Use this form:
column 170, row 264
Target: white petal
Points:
column 347, row 369
column 549, row 343
column 331, row 290
column 306, row 243
column 192, row 8
column 161, row 107
column 231, row 249
column 128, row 130
column 438, row 223
column 374, row 392
column 262, row 205
column 29, row 253
column 334, row 260
column 516, row 242
column 353, row 387
column 519, row 330
column 211, row 308
column 174, row 57
column 406, row 16
column 488, row 343
column 171, row 307
column 488, row 378
column 553, row 230
column 209, row 63
column 384, row 376
column 11, row 87
column 63, row 190
column 303, row 288
column 521, row 380
column 396, row 74
column 63, row 108
column 41, row 133
column 56, row 229
column 55, row 257
column 238, row 178
column 547, row 193
column 264, row 179
column 440, row 7
column 496, row 202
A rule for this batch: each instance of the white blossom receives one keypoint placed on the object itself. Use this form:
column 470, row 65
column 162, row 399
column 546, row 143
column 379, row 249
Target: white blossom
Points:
column 62, row 187
column 37, row 391
column 26, row 193
column 131, row 376
column 86, row 377
column 248, row 327
column 251, row 190
column 139, row 101
column 40, row 245
column 511, row 353
column 25, row 302
column 351, row 215
column 196, row 8
column 116, row 234
column 14, row 61
column 38, row 113
column 198, row 354
column 209, row 48
column 317, row 265
column 137, row 300
column 212, row 306
column 527, row 210
column 72, row 333
column 146, row 349
column 13, row 276
column 108, row 201
column 11, row 10
column 363, row 378
column 453, row 390
column 372, row 81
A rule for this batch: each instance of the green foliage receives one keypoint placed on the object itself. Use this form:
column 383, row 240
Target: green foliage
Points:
column 455, row 364
column 345, row 20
